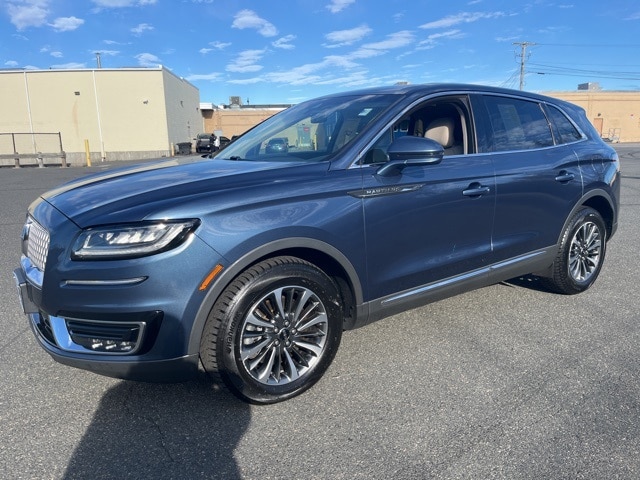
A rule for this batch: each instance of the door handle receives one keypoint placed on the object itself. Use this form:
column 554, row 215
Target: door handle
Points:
column 475, row 190
column 565, row 177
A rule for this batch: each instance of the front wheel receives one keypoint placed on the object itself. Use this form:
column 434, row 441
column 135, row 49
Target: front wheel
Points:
column 274, row 331
column 581, row 254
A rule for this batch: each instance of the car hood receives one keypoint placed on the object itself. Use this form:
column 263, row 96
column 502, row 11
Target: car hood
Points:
column 162, row 189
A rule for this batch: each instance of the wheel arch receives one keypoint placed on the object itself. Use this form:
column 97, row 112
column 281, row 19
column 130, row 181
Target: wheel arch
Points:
column 602, row 204
column 326, row 257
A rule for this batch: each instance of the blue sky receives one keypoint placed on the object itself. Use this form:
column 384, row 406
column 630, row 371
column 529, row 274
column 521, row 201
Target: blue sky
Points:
column 285, row 51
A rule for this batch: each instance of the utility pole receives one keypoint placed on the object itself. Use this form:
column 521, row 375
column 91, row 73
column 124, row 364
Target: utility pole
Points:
column 523, row 56
column 98, row 62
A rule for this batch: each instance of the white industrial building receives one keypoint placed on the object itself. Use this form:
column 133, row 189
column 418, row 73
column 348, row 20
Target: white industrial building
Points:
column 99, row 114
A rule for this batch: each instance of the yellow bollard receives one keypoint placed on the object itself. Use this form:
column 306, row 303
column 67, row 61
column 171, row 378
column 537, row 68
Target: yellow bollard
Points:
column 87, row 152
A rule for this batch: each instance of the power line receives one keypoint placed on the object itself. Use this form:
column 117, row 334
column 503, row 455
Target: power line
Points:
column 564, row 70
column 593, row 45
column 550, row 69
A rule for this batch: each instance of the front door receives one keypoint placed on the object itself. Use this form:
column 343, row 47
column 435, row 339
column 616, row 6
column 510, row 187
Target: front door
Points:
column 427, row 223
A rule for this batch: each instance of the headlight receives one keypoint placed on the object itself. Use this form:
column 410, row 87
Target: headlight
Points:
column 134, row 240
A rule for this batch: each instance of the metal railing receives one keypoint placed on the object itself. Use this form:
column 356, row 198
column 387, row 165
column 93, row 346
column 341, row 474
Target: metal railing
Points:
column 31, row 149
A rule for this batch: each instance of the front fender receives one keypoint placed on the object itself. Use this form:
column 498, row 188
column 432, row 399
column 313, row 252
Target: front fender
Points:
column 273, row 248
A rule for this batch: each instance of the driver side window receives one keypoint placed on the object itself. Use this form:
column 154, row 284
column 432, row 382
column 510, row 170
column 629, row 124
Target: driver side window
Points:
column 445, row 120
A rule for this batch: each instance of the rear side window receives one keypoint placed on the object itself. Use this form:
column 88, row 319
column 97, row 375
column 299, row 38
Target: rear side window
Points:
column 516, row 125
column 563, row 129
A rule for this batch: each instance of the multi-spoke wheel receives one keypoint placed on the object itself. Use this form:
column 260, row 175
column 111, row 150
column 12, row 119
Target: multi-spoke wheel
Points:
column 274, row 331
column 584, row 252
column 283, row 335
column 580, row 255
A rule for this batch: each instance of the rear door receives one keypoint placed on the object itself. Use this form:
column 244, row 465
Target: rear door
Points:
column 537, row 181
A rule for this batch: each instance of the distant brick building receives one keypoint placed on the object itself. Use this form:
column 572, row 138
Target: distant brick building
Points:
column 230, row 120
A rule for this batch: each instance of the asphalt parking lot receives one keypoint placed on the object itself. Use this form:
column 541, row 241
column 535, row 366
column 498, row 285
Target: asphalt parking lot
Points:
column 504, row 382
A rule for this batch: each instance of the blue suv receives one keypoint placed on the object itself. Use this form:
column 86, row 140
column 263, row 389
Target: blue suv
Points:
column 253, row 262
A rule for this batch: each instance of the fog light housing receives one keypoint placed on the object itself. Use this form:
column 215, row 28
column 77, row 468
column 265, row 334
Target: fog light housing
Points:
column 104, row 337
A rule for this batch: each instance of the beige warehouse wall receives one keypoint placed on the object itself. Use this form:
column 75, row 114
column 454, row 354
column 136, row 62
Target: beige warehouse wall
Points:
column 182, row 104
column 56, row 103
column 614, row 114
column 14, row 115
column 132, row 110
column 124, row 113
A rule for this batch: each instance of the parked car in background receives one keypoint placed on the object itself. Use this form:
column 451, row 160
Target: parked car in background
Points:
column 277, row 145
column 203, row 142
column 253, row 263
column 224, row 141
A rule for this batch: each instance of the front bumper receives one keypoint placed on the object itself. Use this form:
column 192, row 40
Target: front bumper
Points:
column 115, row 348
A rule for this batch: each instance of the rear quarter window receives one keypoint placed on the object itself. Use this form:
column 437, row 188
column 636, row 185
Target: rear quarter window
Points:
column 563, row 129
column 516, row 124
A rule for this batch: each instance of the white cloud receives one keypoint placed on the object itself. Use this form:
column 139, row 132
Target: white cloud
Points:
column 123, row 3
column 338, row 5
column 507, row 39
column 148, row 60
column 463, row 17
column 28, row 13
column 70, row 66
column 250, row 19
column 204, row 51
column 206, row 76
column 56, row 54
column 107, row 53
column 393, row 41
column 141, row 28
column 285, row 42
column 219, row 45
column 114, row 3
column 246, row 81
column 66, row 24
column 347, row 37
column 246, row 62
column 432, row 39
column 11, row 63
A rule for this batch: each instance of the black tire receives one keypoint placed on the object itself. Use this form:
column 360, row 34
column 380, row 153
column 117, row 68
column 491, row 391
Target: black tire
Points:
column 581, row 254
column 274, row 330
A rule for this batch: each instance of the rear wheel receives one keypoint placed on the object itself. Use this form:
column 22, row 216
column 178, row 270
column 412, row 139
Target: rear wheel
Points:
column 274, row 331
column 581, row 254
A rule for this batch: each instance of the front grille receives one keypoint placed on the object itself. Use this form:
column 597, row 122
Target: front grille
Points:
column 37, row 244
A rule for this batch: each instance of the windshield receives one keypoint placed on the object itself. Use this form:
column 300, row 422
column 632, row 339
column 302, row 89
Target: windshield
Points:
column 310, row 131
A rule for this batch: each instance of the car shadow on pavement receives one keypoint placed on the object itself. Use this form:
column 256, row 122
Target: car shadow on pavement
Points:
column 143, row 430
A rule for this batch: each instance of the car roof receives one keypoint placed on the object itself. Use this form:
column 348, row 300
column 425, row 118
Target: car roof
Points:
column 434, row 88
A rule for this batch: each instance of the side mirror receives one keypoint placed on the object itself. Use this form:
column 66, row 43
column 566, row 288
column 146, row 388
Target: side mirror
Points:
column 409, row 151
